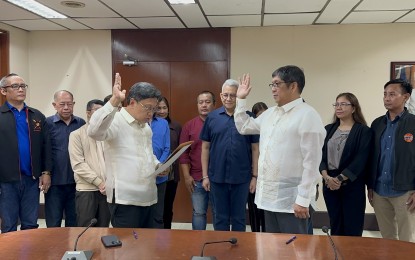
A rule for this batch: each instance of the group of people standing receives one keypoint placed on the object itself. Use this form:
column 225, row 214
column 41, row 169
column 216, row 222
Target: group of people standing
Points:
column 57, row 156
column 380, row 157
column 279, row 154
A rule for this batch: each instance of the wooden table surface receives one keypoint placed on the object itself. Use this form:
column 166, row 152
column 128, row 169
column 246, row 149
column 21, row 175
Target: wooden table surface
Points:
column 51, row 243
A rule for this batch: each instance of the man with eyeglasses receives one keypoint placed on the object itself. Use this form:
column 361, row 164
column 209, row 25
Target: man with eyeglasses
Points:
column 292, row 137
column 391, row 182
column 130, row 162
column 25, row 157
column 61, row 197
column 229, row 162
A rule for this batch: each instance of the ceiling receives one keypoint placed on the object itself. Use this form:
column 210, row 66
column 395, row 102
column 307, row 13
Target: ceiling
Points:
column 152, row 14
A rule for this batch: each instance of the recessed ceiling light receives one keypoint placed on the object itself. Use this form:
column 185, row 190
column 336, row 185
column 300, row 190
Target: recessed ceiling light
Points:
column 37, row 8
column 73, row 4
column 178, row 2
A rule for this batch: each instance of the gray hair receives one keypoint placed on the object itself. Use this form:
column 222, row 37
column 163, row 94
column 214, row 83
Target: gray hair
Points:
column 230, row 83
column 4, row 81
column 143, row 90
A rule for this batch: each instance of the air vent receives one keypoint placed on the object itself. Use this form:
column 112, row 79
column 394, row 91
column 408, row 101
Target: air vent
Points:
column 73, row 4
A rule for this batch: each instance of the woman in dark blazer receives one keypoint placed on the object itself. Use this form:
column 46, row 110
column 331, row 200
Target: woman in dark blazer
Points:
column 343, row 167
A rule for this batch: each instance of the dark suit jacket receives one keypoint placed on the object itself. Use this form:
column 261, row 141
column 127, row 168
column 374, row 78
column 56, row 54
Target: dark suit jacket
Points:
column 40, row 149
column 356, row 151
column 404, row 170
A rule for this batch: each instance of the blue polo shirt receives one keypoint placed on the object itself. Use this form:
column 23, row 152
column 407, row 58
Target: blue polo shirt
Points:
column 161, row 142
column 23, row 140
column 230, row 155
column 384, row 181
column 62, row 172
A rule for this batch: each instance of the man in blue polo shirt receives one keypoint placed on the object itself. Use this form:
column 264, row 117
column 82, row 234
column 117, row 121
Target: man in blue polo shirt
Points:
column 229, row 162
column 61, row 196
column 25, row 161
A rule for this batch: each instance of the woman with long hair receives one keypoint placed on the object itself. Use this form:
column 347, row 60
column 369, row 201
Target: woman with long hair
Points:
column 163, row 111
column 345, row 153
column 256, row 216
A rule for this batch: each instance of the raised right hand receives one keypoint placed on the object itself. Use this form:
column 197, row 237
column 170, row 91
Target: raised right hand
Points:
column 118, row 95
column 244, row 86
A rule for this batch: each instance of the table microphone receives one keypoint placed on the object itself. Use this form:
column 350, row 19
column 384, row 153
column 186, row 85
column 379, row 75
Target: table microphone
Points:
column 326, row 230
column 80, row 255
column 232, row 240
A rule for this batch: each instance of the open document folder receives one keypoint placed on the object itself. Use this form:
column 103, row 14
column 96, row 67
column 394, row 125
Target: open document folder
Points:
column 173, row 156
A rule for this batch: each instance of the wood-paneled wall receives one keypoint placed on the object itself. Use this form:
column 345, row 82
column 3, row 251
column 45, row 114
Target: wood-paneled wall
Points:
column 181, row 63
column 4, row 58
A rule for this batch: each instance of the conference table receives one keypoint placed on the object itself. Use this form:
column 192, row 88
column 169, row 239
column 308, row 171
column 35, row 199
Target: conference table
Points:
column 51, row 243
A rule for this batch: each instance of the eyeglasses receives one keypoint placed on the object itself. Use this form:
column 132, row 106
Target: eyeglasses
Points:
column 149, row 109
column 342, row 105
column 230, row 96
column 278, row 84
column 17, row 86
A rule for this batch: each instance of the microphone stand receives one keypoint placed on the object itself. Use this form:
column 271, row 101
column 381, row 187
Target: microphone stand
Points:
column 233, row 241
column 326, row 230
column 79, row 255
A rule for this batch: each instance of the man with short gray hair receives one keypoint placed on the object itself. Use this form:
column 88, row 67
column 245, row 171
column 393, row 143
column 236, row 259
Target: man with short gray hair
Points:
column 229, row 162
column 129, row 159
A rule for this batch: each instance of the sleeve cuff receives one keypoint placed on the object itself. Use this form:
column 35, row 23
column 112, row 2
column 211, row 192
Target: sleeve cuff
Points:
column 303, row 202
column 241, row 103
column 97, row 182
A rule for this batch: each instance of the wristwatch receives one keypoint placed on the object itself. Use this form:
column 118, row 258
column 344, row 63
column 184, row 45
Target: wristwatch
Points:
column 340, row 177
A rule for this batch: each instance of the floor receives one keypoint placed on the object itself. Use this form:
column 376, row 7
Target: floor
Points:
column 188, row 226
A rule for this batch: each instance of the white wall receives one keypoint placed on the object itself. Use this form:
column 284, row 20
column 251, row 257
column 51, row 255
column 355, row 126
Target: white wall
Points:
column 341, row 58
column 19, row 53
column 77, row 61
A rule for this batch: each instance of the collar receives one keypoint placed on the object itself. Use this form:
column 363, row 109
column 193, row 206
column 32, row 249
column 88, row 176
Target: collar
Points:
column 222, row 110
column 396, row 118
column 130, row 120
column 56, row 118
column 10, row 106
column 287, row 107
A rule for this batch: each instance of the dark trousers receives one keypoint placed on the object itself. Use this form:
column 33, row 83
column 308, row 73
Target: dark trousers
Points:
column 89, row 205
column 346, row 208
column 129, row 216
column 229, row 203
column 281, row 222
column 158, row 208
column 19, row 200
column 171, row 189
column 60, row 199
column 256, row 215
